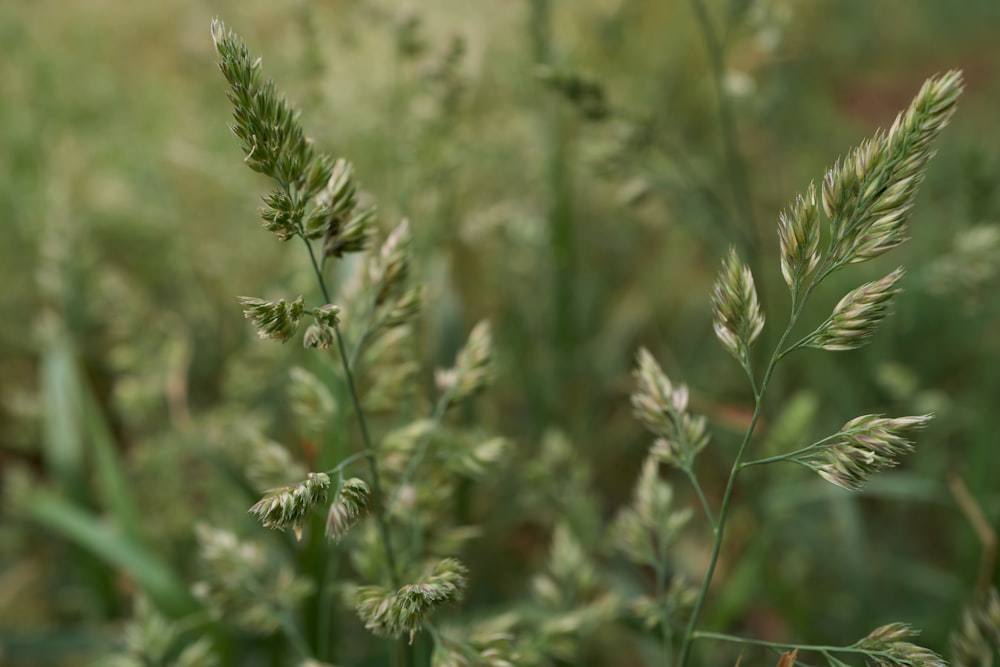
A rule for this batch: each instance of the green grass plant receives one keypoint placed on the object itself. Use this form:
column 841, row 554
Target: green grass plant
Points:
column 425, row 488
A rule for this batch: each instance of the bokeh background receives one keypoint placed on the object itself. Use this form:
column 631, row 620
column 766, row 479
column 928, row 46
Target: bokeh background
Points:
column 568, row 176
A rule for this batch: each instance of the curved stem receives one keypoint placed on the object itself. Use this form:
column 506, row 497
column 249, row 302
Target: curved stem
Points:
column 793, row 456
column 777, row 458
column 719, row 532
column 733, row 639
column 728, row 494
column 819, row 648
column 346, row 462
column 798, row 301
column 377, row 496
column 369, row 451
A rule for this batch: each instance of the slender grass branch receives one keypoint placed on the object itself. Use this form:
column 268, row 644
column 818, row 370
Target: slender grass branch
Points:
column 792, row 456
column 720, row 523
column 777, row 458
column 666, row 636
column 701, row 496
column 347, row 462
column 377, row 495
column 369, row 451
column 719, row 636
column 798, row 302
column 294, row 635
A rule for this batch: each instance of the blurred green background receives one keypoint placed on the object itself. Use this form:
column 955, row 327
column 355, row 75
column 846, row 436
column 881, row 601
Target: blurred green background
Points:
column 582, row 227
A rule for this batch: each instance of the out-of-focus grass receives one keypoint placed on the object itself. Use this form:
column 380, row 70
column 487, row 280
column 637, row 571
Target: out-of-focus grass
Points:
column 127, row 226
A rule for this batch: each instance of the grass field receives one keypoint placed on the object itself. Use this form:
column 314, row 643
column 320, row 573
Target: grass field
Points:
column 569, row 175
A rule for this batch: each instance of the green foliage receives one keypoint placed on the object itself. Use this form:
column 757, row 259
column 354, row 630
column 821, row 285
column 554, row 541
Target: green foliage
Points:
column 568, row 176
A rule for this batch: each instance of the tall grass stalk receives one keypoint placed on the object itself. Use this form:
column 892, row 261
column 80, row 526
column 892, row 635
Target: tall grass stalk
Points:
column 736, row 169
column 317, row 200
column 369, row 450
column 558, row 145
column 866, row 199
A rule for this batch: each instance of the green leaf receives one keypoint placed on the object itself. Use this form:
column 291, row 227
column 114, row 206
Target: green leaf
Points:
column 115, row 549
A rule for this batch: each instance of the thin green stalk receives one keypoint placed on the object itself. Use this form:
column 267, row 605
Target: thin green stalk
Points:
column 666, row 638
column 735, row 163
column 324, row 612
column 719, row 532
column 791, row 456
column 559, row 147
column 294, row 636
column 731, row 484
column 819, row 648
column 777, row 458
column 701, row 496
column 720, row 524
column 377, row 495
column 346, row 462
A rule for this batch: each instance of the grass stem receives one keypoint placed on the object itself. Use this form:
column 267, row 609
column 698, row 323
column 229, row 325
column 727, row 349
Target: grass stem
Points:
column 735, row 164
column 720, row 524
column 377, row 495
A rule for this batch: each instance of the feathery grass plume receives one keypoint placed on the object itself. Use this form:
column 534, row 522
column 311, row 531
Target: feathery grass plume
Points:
column 320, row 334
column 276, row 320
column 474, row 368
column 570, row 575
column 478, row 457
column 673, row 604
column 494, row 650
column 856, row 317
column 393, row 368
column 281, row 214
column 404, row 309
column 863, row 446
column 557, row 485
column 391, row 614
column 885, row 647
column 398, row 445
column 270, row 464
column 351, row 502
column 445, row 78
column 337, row 218
column 738, row 317
column 662, row 408
column 969, row 270
column 581, row 90
column 976, row 641
column 266, row 124
column 560, row 636
column 390, row 269
column 799, row 233
column 150, row 638
column 645, row 530
column 868, row 195
column 334, row 202
column 379, row 289
column 243, row 584
column 379, row 292
column 311, row 402
column 317, row 197
column 288, row 506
